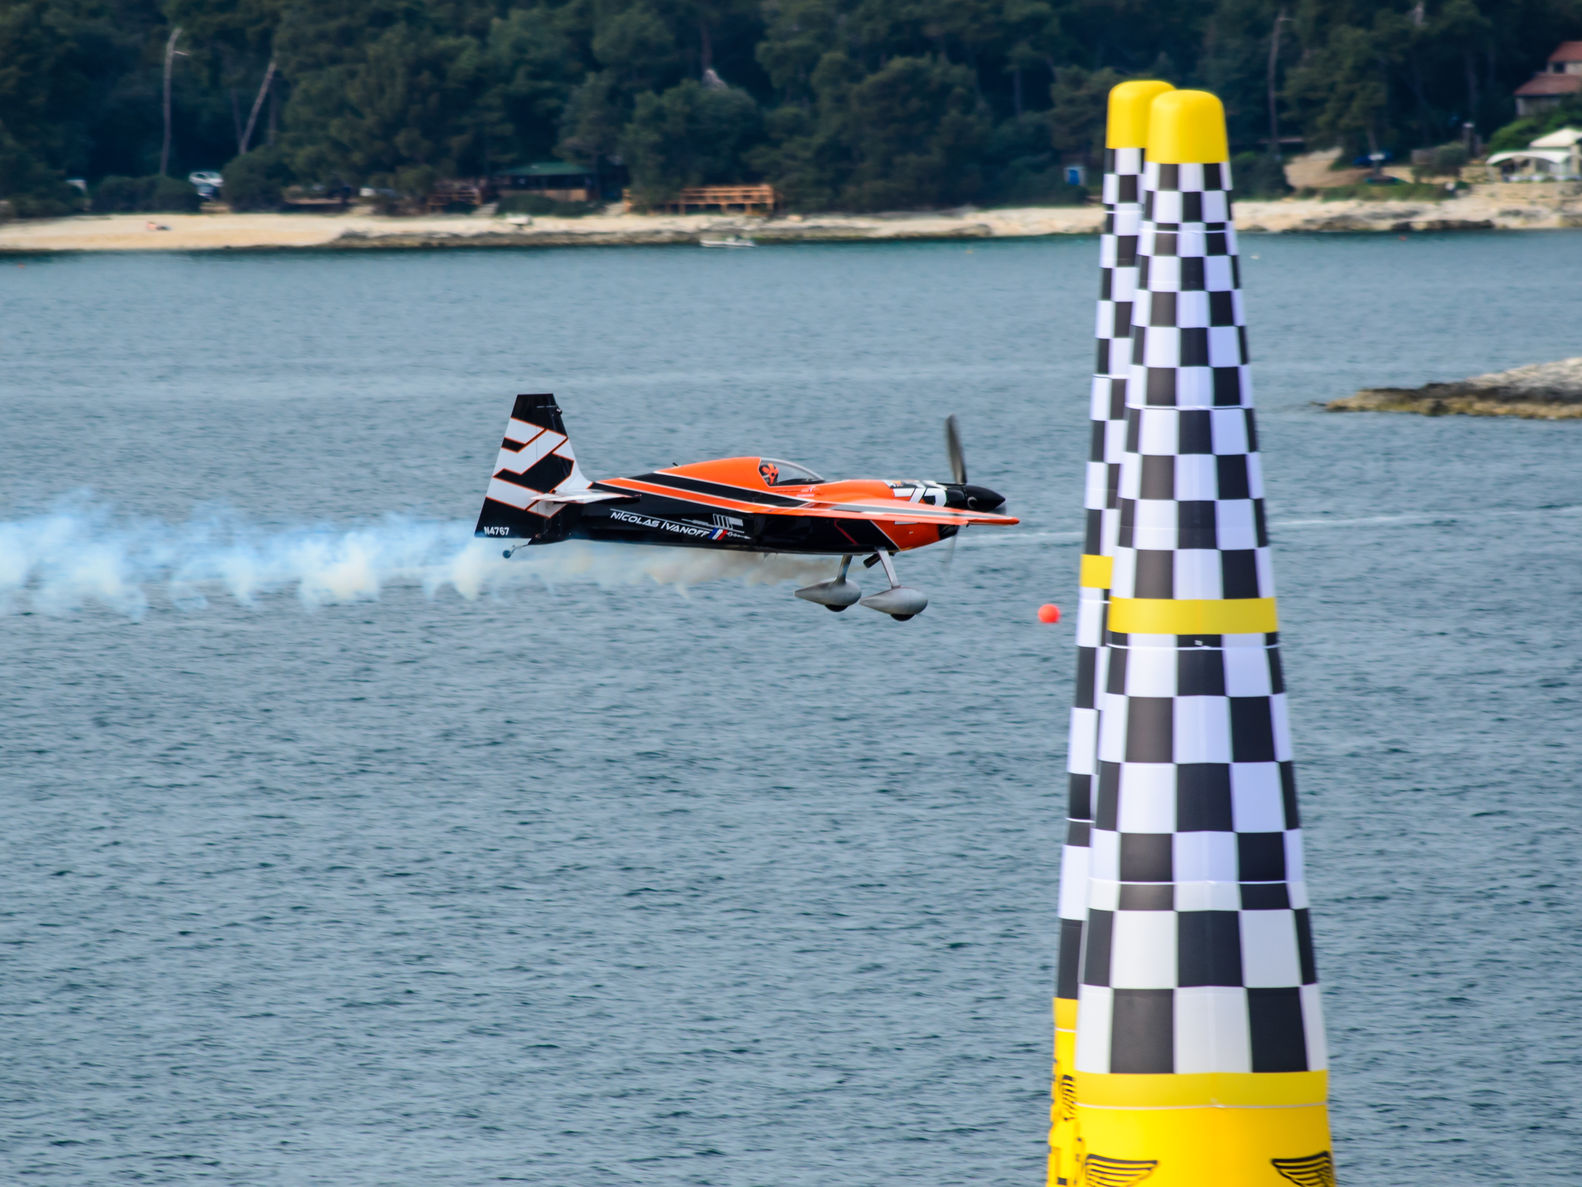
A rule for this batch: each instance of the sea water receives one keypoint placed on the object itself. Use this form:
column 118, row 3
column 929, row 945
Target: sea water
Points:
column 336, row 850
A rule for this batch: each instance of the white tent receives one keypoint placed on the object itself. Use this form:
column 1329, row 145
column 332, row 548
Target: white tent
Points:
column 1544, row 162
column 1564, row 138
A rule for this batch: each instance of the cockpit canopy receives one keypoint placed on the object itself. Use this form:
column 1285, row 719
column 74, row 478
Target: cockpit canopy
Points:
column 776, row 472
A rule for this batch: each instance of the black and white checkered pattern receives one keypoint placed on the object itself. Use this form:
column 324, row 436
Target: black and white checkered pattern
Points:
column 1197, row 951
column 1123, row 212
column 1122, row 193
column 1191, row 488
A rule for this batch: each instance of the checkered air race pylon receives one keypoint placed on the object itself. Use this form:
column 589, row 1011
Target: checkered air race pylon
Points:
column 1126, row 134
column 1200, row 1057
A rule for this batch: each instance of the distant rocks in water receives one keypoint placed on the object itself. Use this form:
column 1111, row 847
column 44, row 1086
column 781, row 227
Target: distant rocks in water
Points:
column 1540, row 391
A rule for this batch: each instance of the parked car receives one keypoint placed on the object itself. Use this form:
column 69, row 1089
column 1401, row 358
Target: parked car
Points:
column 207, row 183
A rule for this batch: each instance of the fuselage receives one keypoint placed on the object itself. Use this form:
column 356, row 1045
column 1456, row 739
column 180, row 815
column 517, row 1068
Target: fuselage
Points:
column 765, row 505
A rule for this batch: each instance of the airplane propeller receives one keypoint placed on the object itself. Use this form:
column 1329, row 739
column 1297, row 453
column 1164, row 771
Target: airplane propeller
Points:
column 958, row 462
column 958, row 474
column 975, row 497
column 960, row 492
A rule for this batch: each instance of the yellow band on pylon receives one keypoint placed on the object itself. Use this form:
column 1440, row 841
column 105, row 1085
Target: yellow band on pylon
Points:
column 1127, row 126
column 1223, row 1090
column 1095, row 572
column 1187, row 126
column 1226, row 1129
column 1206, row 1147
column 1186, row 616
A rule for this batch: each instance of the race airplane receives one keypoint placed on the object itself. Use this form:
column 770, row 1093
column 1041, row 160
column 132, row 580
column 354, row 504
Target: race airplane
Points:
column 539, row 495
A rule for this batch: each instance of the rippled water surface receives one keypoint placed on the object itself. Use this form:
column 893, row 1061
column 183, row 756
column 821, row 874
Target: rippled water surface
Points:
column 330, row 856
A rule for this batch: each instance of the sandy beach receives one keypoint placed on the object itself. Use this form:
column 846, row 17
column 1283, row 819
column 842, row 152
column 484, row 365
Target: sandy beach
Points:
column 359, row 229
column 356, row 228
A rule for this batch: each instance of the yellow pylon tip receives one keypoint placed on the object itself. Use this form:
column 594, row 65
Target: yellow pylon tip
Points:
column 1127, row 126
column 1187, row 126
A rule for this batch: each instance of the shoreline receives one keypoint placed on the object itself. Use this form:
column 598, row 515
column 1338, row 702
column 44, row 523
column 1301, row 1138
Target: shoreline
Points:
column 356, row 230
column 1538, row 391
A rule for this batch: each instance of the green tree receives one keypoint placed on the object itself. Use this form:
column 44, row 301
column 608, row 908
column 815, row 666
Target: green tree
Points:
column 231, row 51
column 400, row 117
column 28, row 186
column 1522, row 132
column 1021, row 167
column 595, row 115
column 255, row 181
column 1258, row 175
column 1035, row 41
column 155, row 194
column 637, row 48
column 1078, row 108
column 1343, row 88
column 840, row 102
column 59, row 66
column 531, row 67
column 1249, row 45
column 689, row 135
column 809, row 155
column 916, row 130
column 799, row 34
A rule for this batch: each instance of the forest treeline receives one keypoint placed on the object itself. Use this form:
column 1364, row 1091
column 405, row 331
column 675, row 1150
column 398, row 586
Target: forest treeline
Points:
column 854, row 104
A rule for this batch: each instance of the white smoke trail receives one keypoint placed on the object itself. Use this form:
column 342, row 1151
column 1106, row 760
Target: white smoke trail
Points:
column 69, row 560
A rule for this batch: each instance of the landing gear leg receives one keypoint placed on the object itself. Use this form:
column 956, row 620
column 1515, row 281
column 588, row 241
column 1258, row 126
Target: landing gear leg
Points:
column 835, row 594
column 899, row 602
column 840, row 579
column 889, row 569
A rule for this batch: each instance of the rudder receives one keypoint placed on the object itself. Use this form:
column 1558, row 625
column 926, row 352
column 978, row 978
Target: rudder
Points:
column 535, row 460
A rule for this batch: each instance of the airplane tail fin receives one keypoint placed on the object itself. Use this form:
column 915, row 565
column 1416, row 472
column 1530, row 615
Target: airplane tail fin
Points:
column 535, row 460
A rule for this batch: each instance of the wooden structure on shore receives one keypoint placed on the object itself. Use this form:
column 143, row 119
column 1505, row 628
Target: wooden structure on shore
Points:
column 559, row 181
column 460, row 191
column 748, row 199
column 556, row 181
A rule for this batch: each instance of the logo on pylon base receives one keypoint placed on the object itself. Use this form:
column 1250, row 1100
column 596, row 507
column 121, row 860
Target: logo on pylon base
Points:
column 1067, row 1096
column 1316, row 1170
column 1099, row 1171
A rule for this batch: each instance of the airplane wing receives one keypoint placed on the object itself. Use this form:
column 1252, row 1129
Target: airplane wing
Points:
column 898, row 512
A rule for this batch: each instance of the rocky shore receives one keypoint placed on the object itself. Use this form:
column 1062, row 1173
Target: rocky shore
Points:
column 357, row 229
column 1541, row 391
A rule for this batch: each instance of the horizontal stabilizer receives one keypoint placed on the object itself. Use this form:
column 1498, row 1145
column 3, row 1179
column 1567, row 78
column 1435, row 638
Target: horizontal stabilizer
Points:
column 586, row 496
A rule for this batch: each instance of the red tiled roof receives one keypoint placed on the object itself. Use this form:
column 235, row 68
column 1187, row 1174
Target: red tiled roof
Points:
column 1567, row 51
column 1550, row 84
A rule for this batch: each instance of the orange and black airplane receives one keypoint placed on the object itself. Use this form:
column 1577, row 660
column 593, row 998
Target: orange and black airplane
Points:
column 539, row 495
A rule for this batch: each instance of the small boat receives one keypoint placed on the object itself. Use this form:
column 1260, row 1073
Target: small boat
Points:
column 733, row 241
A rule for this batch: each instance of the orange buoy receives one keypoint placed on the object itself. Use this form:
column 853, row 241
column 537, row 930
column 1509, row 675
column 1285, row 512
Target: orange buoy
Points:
column 1049, row 612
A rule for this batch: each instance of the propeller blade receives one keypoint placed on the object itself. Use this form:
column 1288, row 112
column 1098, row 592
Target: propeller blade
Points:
column 958, row 463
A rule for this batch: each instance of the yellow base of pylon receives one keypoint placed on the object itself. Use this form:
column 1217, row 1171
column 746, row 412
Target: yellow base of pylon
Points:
column 1221, row 1130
